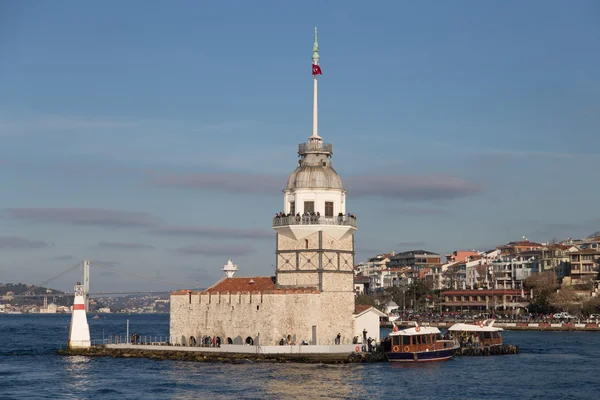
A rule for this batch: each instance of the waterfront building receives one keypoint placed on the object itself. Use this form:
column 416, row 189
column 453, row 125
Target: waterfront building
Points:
column 311, row 296
column 583, row 266
column 511, row 300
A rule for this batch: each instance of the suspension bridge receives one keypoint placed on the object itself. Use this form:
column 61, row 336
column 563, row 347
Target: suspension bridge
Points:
column 85, row 267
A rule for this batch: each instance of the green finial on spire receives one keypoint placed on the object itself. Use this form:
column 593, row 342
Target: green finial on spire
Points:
column 315, row 55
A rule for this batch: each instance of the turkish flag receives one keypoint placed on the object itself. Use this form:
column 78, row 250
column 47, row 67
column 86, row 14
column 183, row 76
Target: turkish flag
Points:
column 316, row 70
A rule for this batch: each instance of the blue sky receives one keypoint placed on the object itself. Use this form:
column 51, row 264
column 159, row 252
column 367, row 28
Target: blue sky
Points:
column 157, row 138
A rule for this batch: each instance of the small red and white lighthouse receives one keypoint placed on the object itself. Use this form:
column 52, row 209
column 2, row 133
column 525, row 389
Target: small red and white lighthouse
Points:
column 79, row 334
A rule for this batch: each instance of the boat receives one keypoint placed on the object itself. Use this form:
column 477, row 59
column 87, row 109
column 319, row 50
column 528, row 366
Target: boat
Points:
column 482, row 334
column 96, row 316
column 420, row 343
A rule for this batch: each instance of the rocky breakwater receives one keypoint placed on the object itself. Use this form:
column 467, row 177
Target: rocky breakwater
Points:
column 487, row 350
column 234, row 358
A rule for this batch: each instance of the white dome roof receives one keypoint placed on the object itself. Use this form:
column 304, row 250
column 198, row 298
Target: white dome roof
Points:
column 314, row 176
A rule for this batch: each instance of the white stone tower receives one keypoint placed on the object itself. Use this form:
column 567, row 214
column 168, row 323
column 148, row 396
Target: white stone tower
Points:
column 79, row 333
column 315, row 238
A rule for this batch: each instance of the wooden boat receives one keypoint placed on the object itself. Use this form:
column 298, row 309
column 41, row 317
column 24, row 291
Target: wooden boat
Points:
column 421, row 343
column 482, row 333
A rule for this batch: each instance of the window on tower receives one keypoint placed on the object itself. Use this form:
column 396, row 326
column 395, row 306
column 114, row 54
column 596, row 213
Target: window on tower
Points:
column 329, row 208
column 292, row 207
column 309, row 206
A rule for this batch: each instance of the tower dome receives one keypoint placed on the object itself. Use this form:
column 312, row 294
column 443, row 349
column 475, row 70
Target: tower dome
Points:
column 314, row 172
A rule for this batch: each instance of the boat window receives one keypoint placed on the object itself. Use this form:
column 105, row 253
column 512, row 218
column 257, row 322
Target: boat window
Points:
column 395, row 340
column 487, row 335
column 438, row 336
column 405, row 340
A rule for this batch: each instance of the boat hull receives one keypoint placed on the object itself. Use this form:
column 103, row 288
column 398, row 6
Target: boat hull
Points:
column 421, row 356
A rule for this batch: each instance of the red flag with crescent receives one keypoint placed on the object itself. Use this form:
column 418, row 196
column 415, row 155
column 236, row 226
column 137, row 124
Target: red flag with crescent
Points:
column 316, row 70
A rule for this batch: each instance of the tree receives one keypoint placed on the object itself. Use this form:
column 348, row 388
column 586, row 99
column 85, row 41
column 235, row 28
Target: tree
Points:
column 564, row 299
column 543, row 285
column 449, row 276
column 591, row 306
column 365, row 299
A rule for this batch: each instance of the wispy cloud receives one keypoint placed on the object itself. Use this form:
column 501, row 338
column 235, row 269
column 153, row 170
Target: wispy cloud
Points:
column 427, row 187
column 19, row 243
column 213, row 232
column 414, row 188
column 209, row 250
column 124, row 246
column 86, row 216
column 65, row 257
column 229, row 183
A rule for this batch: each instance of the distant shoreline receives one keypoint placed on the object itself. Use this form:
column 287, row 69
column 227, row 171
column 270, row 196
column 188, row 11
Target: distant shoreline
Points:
column 518, row 326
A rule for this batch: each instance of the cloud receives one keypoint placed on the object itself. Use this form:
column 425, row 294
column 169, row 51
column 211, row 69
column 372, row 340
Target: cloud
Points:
column 86, row 216
column 229, row 183
column 213, row 232
column 17, row 243
column 427, row 187
column 63, row 258
column 123, row 245
column 209, row 250
column 414, row 188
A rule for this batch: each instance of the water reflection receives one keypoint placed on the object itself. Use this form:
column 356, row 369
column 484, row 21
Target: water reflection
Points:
column 316, row 381
column 78, row 373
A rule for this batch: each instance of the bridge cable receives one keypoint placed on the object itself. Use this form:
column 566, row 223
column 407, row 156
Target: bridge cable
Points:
column 33, row 288
column 97, row 264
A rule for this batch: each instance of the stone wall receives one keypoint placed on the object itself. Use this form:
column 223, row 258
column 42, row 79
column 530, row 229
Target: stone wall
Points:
column 317, row 251
column 264, row 317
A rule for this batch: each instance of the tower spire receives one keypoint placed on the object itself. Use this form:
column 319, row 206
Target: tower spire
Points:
column 316, row 70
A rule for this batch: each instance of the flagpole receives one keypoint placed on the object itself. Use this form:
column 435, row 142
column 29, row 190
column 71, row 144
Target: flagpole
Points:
column 315, row 132
column 315, row 71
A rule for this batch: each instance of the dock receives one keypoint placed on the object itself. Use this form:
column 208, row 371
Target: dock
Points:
column 229, row 354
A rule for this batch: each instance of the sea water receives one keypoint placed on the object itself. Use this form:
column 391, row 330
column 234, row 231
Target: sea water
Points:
column 551, row 365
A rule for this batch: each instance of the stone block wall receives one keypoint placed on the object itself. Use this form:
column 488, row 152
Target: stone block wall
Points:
column 317, row 252
column 264, row 317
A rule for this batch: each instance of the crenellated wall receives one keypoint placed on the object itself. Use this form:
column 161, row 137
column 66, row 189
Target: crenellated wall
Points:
column 265, row 317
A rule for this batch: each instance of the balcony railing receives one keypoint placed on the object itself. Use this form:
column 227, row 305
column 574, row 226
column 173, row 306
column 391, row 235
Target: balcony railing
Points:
column 314, row 220
column 317, row 147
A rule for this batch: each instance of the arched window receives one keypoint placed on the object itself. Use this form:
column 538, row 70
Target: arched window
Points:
column 249, row 341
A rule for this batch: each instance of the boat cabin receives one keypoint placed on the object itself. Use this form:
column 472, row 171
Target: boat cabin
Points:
column 482, row 333
column 419, row 339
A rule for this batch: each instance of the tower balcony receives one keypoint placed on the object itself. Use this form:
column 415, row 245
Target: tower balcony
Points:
column 314, row 220
column 298, row 227
column 315, row 147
